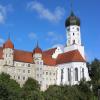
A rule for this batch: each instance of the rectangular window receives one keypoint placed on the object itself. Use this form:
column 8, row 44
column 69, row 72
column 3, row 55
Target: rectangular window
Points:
column 46, row 73
column 28, row 65
column 23, row 78
column 53, row 73
column 28, row 71
column 18, row 77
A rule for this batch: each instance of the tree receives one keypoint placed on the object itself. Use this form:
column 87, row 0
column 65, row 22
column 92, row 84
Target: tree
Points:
column 54, row 93
column 95, row 70
column 4, row 93
column 95, row 75
column 9, row 87
column 31, row 90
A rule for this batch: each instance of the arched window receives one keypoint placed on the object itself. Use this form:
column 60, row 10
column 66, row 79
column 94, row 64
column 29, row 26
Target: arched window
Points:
column 73, row 41
column 82, row 73
column 62, row 75
column 69, row 75
column 76, row 74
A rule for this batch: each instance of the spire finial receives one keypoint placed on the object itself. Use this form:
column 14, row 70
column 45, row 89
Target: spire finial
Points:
column 37, row 44
column 8, row 35
column 71, row 5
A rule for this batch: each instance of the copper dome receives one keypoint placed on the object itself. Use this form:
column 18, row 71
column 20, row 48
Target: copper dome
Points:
column 72, row 20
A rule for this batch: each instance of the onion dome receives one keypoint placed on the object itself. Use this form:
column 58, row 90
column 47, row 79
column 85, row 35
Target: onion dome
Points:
column 37, row 50
column 8, row 44
column 72, row 20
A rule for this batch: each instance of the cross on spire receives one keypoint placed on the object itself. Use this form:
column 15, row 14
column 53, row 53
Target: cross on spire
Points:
column 71, row 5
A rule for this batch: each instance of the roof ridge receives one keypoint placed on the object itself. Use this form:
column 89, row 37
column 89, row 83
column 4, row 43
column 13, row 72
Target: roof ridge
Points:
column 50, row 49
column 22, row 50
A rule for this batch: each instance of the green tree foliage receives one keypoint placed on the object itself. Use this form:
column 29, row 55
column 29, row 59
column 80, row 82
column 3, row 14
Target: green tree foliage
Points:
column 76, row 92
column 31, row 90
column 95, row 75
column 10, row 86
column 95, row 70
column 4, row 93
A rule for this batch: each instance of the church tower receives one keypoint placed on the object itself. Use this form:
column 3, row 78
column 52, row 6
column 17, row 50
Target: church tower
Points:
column 73, row 34
column 72, row 25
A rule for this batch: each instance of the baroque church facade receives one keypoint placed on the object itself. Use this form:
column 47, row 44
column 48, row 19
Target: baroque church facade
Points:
column 51, row 67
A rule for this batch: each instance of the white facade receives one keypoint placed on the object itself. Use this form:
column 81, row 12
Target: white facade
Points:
column 69, row 73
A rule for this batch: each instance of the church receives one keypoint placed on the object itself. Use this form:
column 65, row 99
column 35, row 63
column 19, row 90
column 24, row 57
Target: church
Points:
column 50, row 67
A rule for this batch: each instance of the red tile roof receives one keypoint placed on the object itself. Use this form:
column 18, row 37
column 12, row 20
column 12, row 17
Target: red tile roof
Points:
column 49, row 52
column 37, row 50
column 8, row 44
column 71, row 56
column 48, row 60
column 24, row 56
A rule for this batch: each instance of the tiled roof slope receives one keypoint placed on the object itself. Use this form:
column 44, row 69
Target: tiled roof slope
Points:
column 8, row 44
column 71, row 56
column 49, row 52
column 24, row 56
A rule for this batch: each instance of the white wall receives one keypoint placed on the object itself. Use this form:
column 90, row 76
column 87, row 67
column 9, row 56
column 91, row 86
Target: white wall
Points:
column 72, row 67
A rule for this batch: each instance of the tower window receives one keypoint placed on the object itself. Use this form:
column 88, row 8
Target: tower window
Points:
column 73, row 41
column 68, row 29
column 73, row 34
column 77, row 29
column 68, row 41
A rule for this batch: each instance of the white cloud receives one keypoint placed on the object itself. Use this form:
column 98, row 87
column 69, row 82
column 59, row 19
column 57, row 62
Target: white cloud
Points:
column 54, row 38
column 3, row 12
column 1, row 41
column 32, row 36
column 45, row 13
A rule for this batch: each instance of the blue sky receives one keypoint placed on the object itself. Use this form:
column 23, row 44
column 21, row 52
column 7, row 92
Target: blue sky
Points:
column 30, row 20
